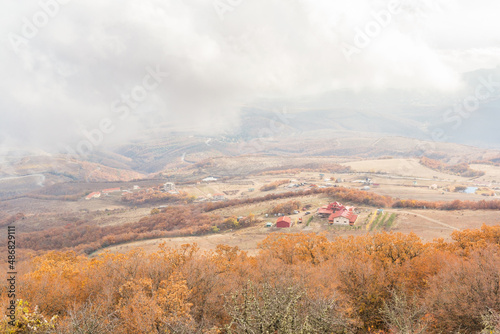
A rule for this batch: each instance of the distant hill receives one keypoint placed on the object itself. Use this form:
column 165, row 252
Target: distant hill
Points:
column 19, row 175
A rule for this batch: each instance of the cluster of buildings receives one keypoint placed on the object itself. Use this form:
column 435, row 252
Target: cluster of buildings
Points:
column 169, row 187
column 338, row 213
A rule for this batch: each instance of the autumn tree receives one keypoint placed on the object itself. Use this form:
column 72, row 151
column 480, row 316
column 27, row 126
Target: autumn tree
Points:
column 464, row 290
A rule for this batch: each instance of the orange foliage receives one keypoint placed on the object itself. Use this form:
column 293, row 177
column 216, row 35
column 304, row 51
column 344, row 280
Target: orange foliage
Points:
column 461, row 169
column 273, row 185
column 155, row 196
column 371, row 283
column 286, row 208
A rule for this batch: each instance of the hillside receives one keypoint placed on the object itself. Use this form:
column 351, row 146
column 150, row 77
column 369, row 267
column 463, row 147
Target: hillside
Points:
column 20, row 175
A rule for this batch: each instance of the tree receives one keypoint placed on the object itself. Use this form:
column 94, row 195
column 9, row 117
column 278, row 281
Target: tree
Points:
column 404, row 314
column 89, row 318
column 28, row 321
column 464, row 290
column 281, row 309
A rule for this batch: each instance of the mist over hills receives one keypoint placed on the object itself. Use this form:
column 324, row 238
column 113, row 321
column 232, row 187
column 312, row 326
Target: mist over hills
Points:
column 455, row 127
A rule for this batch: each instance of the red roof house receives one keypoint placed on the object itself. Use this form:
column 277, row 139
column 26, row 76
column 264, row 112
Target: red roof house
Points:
column 111, row 190
column 344, row 217
column 327, row 210
column 284, row 222
column 95, row 194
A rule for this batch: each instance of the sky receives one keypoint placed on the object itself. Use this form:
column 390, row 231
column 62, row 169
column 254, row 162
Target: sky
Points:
column 106, row 71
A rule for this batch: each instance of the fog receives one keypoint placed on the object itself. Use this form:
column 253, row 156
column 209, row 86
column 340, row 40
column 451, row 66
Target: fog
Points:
column 71, row 68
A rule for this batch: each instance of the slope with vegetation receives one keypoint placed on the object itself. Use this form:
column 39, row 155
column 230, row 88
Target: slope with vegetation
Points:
column 297, row 283
column 462, row 169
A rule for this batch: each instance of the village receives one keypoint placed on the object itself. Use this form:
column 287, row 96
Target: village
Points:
column 316, row 213
column 265, row 195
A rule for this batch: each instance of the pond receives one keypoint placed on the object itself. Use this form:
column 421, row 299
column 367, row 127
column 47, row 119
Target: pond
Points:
column 470, row 190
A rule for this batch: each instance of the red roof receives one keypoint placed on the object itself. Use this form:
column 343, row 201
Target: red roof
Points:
column 340, row 213
column 324, row 210
column 336, row 206
column 344, row 213
column 94, row 194
column 110, row 190
column 285, row 219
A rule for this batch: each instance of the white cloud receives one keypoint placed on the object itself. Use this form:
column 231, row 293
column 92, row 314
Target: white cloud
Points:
column 92, row 52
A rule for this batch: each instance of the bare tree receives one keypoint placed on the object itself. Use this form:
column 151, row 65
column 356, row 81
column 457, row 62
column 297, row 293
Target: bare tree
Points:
column 404, row 314
column 491, row 322
column 89, row 319
column 281, row 309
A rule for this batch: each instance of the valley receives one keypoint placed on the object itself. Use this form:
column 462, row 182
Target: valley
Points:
column 235, row 184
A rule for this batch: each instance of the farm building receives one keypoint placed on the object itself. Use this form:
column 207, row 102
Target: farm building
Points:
column 343, row 217
column 338, row 213
column 111, row 190
column 209, row 179
column 284, row 222
column 327, row 210
column 95, row 194
column 169, row 186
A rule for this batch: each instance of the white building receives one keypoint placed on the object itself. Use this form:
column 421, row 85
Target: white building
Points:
column 169, row 186
column 209, row 179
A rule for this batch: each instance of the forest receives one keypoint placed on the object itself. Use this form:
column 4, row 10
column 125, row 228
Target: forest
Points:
column 296, row 283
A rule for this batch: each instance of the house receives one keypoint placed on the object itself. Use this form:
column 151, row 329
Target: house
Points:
column 338, row 213
column 327, row 210
column 324, row 211
column 218, row 197
column 111, row 190
column 284, row 222
column 343, row 217
column 95, row 194
column 168, row 186
column 209, row 179
column 137, row 187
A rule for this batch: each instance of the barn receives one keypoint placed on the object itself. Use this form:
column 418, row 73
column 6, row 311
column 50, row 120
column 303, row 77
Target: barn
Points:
column 284, row 222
